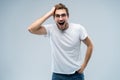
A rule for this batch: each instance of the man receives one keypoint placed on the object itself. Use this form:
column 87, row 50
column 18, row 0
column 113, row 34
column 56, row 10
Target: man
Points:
column 65, row 39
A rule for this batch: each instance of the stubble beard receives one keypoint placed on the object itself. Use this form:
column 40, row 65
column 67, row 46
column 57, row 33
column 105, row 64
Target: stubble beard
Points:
column 62, row 27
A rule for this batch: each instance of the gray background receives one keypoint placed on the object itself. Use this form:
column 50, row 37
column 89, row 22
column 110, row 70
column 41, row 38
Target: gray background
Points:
column 24, row 56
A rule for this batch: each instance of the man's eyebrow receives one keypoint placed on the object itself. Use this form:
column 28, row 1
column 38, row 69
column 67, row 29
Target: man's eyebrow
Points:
column 60, row 14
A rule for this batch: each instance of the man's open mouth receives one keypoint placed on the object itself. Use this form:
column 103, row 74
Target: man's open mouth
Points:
column 61, row 23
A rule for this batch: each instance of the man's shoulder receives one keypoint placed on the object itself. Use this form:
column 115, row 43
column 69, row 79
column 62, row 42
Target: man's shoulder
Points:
column 76, row 25
column 50, row 25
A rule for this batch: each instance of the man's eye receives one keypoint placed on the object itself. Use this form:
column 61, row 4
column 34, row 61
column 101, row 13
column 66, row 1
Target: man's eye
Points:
column 63, row 15
column 57, row 15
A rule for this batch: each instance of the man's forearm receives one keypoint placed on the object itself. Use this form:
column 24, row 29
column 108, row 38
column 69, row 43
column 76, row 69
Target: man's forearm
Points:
column 89, row 50
column 86, row 60
column 89, row 44
column 37, row 24
column 88, row 55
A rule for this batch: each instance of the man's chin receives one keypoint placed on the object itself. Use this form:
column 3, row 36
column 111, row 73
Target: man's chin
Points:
column 61, row 27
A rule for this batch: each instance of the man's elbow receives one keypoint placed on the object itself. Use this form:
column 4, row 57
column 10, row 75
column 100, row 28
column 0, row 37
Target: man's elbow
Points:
column 30, row 30
column 91, row 47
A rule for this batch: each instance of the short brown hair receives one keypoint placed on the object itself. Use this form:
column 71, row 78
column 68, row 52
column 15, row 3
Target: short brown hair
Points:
column 61, row 6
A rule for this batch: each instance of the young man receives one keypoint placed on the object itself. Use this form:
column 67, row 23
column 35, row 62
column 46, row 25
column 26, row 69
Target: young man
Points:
column 65, row 39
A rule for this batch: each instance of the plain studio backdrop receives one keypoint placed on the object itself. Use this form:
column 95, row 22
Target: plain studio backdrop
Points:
column 25, row 56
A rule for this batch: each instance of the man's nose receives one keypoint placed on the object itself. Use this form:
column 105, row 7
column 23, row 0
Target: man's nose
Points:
column 60, row 18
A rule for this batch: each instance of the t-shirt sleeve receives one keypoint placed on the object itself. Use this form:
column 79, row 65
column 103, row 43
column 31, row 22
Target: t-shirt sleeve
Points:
column 48, row 29
column 83, row 33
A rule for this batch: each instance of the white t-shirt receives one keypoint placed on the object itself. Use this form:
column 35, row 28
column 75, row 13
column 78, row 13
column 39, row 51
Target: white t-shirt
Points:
column 66, row 56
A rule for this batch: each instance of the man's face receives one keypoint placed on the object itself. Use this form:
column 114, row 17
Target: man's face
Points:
column 61, row 19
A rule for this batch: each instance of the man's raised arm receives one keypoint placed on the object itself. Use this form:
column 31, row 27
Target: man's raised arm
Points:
column 36, row 27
